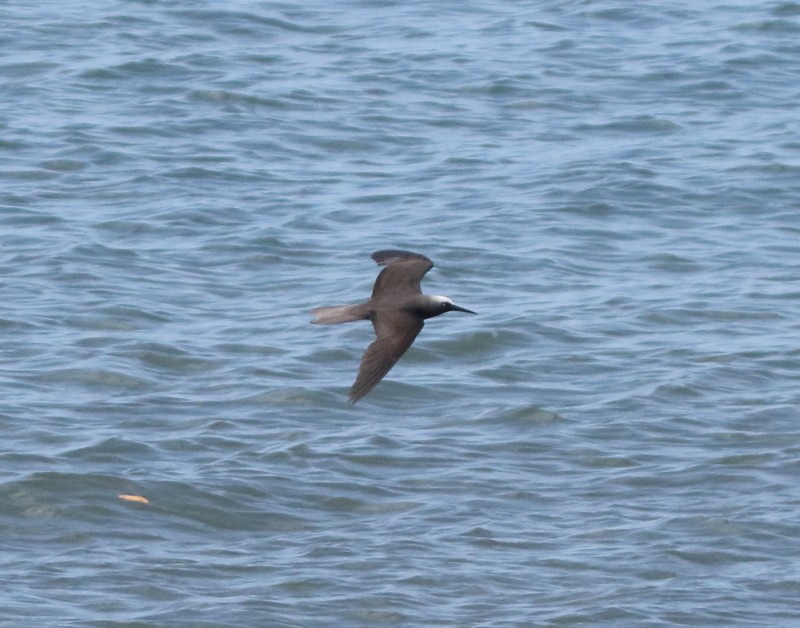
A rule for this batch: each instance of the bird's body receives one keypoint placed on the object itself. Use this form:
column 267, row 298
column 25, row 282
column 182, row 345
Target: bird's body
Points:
column 397, row 310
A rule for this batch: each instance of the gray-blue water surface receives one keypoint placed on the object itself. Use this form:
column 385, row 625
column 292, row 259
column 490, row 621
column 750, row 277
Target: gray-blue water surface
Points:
column 613, row 440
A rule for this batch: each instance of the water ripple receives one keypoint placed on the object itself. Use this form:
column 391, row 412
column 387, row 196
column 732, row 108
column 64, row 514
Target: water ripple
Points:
column 613, row 188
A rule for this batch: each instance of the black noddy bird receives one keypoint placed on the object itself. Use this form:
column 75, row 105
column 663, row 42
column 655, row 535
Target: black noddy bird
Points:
column 397, row 310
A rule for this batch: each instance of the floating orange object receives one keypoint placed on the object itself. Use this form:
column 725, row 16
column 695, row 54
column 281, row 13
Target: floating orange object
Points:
column 134, row 498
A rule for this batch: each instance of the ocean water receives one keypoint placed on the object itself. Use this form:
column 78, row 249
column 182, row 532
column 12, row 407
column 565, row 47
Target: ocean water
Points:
column 614, row 439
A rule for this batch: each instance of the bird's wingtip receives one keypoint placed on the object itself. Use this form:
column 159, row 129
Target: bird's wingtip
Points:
column 385, row 257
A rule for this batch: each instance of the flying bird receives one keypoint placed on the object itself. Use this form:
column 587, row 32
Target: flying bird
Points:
column 397, row 310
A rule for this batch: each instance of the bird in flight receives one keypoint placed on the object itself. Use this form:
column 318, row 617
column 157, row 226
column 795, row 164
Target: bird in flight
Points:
column 397, row 310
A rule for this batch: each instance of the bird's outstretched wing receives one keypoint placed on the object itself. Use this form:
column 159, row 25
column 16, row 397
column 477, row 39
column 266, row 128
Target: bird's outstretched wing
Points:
column 394, row 338
column 402, row 275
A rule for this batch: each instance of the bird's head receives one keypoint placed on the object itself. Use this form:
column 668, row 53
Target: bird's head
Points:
column 439, row 305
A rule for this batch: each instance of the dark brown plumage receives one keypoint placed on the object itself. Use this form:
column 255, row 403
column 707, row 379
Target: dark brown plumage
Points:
column 397, row 310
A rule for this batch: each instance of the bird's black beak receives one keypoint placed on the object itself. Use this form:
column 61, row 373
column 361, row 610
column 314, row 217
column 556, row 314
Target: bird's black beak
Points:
column 458, row 308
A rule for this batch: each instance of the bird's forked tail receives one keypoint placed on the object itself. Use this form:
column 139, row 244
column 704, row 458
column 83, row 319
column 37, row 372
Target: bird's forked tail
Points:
column 339, row 314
